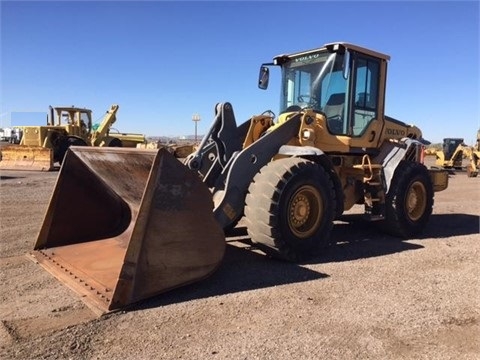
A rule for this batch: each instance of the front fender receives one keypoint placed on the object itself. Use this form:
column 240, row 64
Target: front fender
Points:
column 292, row 150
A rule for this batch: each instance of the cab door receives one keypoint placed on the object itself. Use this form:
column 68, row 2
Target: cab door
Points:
column 366, row 101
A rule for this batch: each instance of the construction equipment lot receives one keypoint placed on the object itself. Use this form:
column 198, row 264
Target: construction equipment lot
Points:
column 372, row 296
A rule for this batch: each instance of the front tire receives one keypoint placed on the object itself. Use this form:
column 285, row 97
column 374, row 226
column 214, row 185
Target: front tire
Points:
column 409, row 201
column 290, row 209
column 63, row 144
column 115, row 142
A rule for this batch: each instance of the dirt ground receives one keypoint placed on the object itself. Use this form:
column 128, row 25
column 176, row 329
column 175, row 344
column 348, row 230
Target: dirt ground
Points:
column 371, row 296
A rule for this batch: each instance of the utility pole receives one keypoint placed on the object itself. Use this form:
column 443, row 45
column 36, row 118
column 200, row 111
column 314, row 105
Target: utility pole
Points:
column 195, row 119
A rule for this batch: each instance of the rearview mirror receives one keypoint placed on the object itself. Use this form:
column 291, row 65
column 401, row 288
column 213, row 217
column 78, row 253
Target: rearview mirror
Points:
column 263, row 77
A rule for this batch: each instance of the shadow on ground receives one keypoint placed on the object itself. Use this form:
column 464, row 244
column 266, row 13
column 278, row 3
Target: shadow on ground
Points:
column 244, row 268
column 357, row 238
column 449, row 225
column 4, row 177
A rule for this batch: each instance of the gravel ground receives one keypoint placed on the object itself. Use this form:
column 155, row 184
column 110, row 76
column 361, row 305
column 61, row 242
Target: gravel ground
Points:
column 371, row 296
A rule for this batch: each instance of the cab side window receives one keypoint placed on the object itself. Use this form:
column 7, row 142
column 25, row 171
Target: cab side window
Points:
column 366, row 93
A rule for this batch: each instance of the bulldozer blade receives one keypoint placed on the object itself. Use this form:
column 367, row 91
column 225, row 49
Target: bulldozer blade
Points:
column 22, row 157
column 124, row 225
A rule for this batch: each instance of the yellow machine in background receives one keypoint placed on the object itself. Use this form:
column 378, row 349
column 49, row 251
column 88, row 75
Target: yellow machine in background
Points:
column 42, row 146
column 474, row 157
column 454, row 152
column 155, row 224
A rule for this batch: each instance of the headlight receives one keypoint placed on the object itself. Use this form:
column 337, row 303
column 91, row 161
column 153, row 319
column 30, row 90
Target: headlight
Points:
column 306, row 134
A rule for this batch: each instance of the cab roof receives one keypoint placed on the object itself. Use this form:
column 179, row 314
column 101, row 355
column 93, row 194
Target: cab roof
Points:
column 337, row 46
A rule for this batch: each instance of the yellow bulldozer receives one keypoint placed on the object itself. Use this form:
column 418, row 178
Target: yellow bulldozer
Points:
column 43, row 146
column 151, row 223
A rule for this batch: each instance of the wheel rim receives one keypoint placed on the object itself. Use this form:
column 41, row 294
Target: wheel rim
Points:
column 416, row 201
column 305, row 212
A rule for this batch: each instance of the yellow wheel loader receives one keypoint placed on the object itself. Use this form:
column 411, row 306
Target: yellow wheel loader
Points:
column 151, row 223
column 42, row 146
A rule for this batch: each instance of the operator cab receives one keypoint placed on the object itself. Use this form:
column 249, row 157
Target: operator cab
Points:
column 342, row 81
column 450, row 145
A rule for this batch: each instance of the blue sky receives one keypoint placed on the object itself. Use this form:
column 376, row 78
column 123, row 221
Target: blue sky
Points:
column 164, row 61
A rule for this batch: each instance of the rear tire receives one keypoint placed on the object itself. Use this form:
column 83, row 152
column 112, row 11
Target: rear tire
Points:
column 409, row 201
column 290, row 209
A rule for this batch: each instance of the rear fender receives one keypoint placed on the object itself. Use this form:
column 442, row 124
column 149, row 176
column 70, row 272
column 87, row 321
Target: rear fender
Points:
column 393, row 152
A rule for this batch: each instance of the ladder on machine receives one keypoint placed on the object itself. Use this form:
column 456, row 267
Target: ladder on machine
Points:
column 373, row 189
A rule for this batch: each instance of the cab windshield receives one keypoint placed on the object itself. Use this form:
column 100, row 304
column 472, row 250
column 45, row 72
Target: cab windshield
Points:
column 315, row 81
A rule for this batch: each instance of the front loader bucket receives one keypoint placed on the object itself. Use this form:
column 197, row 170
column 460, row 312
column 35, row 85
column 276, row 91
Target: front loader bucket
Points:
column 127, row 224
column 23, row 157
